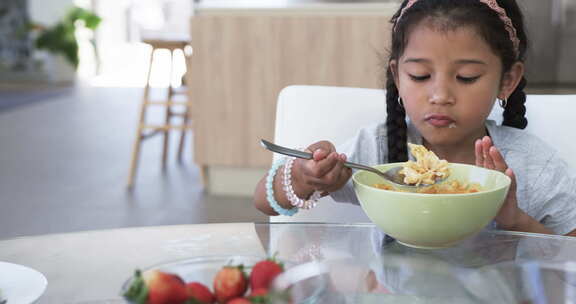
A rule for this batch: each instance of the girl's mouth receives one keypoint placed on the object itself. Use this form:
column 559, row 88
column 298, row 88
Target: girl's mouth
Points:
column 440, row 121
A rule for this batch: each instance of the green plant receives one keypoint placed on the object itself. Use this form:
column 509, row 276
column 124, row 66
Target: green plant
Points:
column 60, row 38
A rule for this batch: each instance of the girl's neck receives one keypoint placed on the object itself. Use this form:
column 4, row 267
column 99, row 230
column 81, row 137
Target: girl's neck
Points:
column 461, row 152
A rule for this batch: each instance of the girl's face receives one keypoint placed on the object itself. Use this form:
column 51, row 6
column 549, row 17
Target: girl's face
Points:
column 448, row 81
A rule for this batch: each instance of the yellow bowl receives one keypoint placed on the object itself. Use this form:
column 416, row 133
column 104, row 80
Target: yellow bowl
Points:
column 433, row 220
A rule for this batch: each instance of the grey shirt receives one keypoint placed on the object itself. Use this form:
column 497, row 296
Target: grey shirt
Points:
column 546, row 185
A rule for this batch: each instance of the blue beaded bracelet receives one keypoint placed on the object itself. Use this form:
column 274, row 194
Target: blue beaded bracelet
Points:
column 270, row 190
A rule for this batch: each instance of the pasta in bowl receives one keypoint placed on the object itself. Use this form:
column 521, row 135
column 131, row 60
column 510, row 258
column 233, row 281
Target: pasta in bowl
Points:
column 427, row 168
column 436, row 219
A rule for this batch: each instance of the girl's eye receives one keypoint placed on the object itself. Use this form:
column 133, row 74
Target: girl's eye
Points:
column 419, row 78
column 467, row 79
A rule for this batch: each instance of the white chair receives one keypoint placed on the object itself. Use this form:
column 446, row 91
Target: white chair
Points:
column 338, row 113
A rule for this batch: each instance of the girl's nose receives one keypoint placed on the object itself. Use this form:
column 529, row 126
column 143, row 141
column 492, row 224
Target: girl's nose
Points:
column 441, row 95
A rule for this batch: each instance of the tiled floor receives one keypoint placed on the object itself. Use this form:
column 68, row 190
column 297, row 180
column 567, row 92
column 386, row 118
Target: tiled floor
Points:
column 64, row 163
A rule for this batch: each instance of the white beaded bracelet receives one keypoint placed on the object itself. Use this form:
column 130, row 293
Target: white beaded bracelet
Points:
column 291, row 195
column 270, row 190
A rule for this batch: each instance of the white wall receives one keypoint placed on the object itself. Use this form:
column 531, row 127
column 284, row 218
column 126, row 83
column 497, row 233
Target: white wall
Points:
column 48, row 12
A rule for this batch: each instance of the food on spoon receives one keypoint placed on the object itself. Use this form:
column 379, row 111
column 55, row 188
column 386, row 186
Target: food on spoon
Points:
column 427, row 168
column 230, row 282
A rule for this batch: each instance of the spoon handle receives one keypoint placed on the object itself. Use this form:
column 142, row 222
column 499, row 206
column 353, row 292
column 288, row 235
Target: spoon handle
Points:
column 285, row 151
column 361, row 167
column 306, row 155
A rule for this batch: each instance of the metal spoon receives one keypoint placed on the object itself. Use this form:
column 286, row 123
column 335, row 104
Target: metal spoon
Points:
column 390, row 175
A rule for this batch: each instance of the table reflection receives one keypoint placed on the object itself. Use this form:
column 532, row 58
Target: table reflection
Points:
column 362, row 264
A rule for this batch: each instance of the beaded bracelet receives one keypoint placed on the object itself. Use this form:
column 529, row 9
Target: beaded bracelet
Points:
column 291, row 195
column 270, row 190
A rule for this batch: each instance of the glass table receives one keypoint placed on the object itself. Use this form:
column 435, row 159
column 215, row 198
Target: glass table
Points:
column 363, row 265
column 352, row 260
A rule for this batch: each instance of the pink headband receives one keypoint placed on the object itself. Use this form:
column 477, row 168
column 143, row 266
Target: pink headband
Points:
column 495, row 7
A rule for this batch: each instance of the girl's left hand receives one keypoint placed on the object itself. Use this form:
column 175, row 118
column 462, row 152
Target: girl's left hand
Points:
column 488, row 156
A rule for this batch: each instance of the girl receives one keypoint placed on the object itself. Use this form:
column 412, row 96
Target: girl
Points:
column 450, row 61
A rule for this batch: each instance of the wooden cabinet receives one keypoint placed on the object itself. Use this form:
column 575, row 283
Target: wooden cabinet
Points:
column 241, row 62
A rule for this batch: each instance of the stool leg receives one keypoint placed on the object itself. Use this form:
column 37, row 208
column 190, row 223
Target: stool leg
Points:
column 187, row 112
column 168, row 113
column 135, row 158
column 140, row 128
column 183, row 134
column 204, row 175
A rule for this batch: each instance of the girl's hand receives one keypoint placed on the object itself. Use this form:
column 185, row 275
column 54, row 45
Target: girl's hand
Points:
column 488, row 156
column 325, row 172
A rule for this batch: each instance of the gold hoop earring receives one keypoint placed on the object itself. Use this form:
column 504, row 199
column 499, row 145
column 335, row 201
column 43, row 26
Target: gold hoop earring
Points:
column 503, row 102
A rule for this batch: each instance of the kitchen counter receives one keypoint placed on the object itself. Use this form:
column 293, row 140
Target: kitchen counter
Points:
column 246, row 52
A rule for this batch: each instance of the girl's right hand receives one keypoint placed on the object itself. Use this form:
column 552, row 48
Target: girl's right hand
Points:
column 325, row 172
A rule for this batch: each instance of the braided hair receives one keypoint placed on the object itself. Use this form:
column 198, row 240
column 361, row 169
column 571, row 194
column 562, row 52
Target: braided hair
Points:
column 453, row 14
column 395, row 122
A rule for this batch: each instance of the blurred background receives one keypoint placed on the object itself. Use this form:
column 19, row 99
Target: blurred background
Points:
column 80, row 96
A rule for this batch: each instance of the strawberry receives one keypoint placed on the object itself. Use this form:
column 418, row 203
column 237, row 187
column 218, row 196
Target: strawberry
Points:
column 137, row 291
column 259, row 295
column 239, row 301
column 229, row 283
column 200, row 293
column 260, row 292
column 264, row 272
column 165, row 288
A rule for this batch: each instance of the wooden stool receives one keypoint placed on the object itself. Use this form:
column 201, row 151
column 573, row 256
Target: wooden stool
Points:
column 144, row 130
